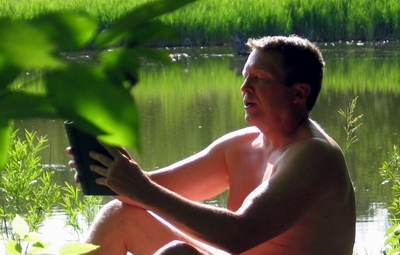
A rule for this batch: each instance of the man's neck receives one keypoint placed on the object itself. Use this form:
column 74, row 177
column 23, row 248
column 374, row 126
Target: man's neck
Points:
column 283, row 135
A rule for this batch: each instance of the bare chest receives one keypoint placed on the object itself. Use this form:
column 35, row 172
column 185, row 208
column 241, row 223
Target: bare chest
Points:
column 246, row 174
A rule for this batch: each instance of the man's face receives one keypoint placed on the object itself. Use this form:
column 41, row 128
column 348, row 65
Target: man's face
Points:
column 265, row 96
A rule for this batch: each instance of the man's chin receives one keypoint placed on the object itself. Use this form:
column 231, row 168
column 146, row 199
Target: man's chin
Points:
column 249, row 119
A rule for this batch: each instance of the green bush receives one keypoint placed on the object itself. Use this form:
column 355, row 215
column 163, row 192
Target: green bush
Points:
column 390, row 171
column 27, row 189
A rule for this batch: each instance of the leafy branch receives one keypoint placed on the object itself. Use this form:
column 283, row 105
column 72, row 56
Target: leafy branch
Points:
column 97, row 95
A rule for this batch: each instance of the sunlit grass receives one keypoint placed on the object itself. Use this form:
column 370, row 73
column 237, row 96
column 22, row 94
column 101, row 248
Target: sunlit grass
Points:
column 104, row 10
column 214, row 21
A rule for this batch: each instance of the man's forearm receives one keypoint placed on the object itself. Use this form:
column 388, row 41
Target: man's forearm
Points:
column 194, row 218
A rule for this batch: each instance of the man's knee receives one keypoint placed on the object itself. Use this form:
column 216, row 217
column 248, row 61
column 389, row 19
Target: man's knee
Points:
column 118, row 209
column 178, row 248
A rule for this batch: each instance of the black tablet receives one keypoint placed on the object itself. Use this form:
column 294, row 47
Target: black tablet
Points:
column 82, row 143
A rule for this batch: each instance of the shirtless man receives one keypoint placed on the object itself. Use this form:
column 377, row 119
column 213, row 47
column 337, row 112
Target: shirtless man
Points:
column 289, row 188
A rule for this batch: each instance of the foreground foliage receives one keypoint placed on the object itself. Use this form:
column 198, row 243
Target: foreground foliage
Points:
column 33, row 243
column 26, row 189
column 29, row 190
column 96, row 95
column 390, row 171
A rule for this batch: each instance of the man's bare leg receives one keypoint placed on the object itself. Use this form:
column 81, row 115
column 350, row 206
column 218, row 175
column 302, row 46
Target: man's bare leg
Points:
column 119, row 228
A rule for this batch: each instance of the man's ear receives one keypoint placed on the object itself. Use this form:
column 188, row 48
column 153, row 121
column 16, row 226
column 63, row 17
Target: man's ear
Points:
column 302, row 91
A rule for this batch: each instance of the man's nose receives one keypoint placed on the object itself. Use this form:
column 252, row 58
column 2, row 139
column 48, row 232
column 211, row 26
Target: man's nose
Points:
column 246, row 86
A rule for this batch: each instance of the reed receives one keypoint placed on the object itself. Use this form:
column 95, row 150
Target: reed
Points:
column 212, row 22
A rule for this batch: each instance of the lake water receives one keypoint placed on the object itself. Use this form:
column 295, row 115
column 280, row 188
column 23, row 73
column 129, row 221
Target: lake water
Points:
column 183, row 110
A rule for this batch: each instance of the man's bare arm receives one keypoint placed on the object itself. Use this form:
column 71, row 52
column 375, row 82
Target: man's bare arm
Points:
column 295, row 187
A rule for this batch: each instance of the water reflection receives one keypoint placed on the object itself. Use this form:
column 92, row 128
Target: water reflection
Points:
column 183, row 110
column 371, row 229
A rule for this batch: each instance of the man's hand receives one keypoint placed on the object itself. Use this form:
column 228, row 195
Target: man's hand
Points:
column 72, row 163
column 122, row 174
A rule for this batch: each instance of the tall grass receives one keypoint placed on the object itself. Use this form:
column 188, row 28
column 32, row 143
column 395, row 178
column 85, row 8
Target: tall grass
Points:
column 330, row 20
column 104, row 10
column 212, row 22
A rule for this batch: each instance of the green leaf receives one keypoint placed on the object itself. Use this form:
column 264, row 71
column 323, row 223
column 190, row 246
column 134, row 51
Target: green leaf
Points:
column 34, row 237
column 4, row 141
column 86, row 96
column 69, row 30
column 38, row 248
column 148, row 31
column 13, row 248
column 150, row 10
column 20, row 226
column 121, row 65
column 8, row 73
column 158, row 55
column 21, row 105
column 136, row 18
column 76, row 248
column 25, row 46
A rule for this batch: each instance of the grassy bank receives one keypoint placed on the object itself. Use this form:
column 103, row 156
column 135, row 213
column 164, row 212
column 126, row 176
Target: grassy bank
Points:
column 212, row 22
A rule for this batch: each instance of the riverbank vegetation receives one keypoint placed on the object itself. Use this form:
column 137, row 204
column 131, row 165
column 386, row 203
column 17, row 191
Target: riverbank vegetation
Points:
column 213, row 22
column 28, row 190
column 390, row 171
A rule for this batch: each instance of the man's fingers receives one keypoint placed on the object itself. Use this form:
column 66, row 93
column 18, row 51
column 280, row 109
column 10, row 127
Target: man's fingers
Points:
column 102, row 171
column 101, row 181
column 125, row 152
column 101, row 158
column 69, row 151
column 76, row 178
column 114, row 152
column 72, row 164
column 99, row 169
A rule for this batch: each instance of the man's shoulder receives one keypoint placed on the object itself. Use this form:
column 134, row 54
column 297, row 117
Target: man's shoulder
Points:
column 316, row 148
column 243, row 133
column 319, row 159
column 251, row 130
column 235, row 138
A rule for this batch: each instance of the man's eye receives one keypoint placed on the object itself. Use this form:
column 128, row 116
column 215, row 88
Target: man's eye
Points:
column 264, row 80
column 259, row 78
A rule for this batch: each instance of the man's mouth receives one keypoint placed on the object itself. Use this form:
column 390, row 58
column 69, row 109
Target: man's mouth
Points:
column 248, row 104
